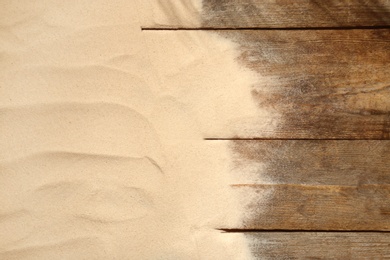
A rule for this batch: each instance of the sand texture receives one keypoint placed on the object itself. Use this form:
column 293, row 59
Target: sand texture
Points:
column 102, row 153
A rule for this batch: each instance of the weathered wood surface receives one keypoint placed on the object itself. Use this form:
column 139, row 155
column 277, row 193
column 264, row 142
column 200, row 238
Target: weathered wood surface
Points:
column 319, row 245
column 332, row 84
column 219, row 14
column 312, row 162
column 313, row 207
column 294, row 14
column 313, row 184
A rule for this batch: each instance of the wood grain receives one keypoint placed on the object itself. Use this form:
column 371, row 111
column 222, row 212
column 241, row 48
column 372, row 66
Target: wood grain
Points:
column 265, row 14
column 319, row 245
column 312, row 162
column 313, row 184
column 307, row 207
column 318, row 84
column 294, row 14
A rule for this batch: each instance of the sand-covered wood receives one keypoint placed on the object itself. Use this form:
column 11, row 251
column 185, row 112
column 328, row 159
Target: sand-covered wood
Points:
column 264, row 14
column 294, row 14
column 319, row 245
column 317, row 84
column 312, row 184
column 312, row 207
column 312, row 162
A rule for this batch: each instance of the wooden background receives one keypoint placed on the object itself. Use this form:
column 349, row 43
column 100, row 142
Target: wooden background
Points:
column 330, row 153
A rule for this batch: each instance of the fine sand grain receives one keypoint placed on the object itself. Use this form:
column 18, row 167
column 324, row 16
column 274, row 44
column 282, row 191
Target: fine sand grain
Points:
column 101, row 148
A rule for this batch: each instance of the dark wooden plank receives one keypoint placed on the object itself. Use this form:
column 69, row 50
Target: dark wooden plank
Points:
column 313, row 184
column 319, row 245
column 267, row 14
column 307, row 207
column 316, row 84
column 312, row 162
column 294, row 14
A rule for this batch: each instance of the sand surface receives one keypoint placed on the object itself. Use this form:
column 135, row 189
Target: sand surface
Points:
column 101, row 148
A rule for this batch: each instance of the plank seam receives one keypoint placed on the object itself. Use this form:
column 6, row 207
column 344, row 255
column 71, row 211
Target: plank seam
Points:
column 254, row 185
column 294, row 139
column 238, row 230
column 262, row 28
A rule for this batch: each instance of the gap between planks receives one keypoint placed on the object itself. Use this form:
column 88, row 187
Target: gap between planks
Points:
column 262, row 28
column 293, row 139
column 238, row 230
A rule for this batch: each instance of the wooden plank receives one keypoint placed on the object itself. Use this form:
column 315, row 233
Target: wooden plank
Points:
column 312, row 162
column 308, row 207
column 312, row 184
column 316, row 84
column 319, row 245
column 219, row 14
column 294, row 14
column 320, row 84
